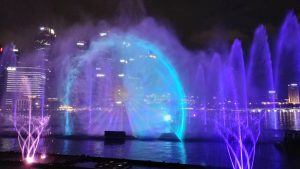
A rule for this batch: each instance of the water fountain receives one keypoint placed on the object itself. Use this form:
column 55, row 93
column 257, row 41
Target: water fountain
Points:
column 287, row 54
column 128, row 80
column 29, row 131
column 136, row 74
column 29, row 127
column 132, row 75
column 241, row 136
column 235, row 125
column 241, row 129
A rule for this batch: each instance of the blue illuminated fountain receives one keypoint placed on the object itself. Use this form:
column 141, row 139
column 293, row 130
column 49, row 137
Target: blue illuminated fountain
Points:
column 133, row 82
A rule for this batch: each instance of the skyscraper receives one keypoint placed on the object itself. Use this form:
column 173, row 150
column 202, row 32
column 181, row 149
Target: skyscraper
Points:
column 24, row 83
column 42, row 44
column 44, row 38
column 293, row 93
column 7, row 59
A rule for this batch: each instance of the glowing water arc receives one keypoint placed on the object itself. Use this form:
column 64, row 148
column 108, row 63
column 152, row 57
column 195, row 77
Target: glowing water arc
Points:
column 128, row 44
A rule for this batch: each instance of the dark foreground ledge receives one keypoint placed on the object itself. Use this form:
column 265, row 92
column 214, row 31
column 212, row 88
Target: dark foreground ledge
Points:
column 11, row 160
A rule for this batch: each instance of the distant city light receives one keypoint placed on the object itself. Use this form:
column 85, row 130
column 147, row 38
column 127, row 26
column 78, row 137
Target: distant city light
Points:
column 272, row 91
column 47, row 43
column 118, row 102
column 152, row 56
column 294, row 84
column 103, row 34
column 66, row 108
column 167, row 117
column 80, row 43
column 122, row 60
column 49, row 30
column 52, row 31
column 11, row 68
column 100, row 75
column 121, row 75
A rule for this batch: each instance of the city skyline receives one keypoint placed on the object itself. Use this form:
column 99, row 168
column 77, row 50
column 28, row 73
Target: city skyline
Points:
column 45, row 38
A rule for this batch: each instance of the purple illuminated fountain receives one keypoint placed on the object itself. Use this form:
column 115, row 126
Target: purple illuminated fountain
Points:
column 29, row 127
column 238, row 128
column 287, row 54
column 29, row 131
column 241, row 135
column 260, row 72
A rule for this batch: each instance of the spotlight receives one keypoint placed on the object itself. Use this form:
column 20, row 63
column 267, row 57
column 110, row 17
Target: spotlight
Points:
column 29, row 160
column 43, row 156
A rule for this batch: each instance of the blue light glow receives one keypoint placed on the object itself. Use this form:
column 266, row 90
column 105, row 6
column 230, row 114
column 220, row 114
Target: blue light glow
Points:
column 150, row 83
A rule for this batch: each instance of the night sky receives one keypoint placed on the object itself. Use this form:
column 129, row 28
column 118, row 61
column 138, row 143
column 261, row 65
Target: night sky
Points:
column 196, row 22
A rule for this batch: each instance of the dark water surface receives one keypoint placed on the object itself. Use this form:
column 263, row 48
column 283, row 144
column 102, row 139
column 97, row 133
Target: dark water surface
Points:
column 206, row 152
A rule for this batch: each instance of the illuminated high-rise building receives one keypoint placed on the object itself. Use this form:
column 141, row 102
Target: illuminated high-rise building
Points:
column 42, row 44
column 23, row 84
column 8, row 58
column 293, row 93
column 44, row 38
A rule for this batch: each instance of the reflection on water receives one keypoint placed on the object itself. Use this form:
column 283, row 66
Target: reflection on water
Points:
column 206, row 153
column 199, row 123
column 282, row 120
